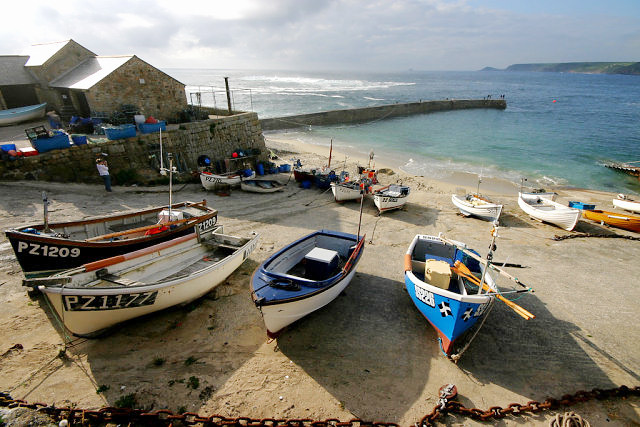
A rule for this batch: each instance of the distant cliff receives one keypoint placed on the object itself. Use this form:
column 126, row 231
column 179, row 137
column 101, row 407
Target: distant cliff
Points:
column 577, row 67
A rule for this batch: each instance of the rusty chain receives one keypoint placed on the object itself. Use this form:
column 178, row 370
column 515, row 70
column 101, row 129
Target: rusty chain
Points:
column 533, row 406
column 165, row 417
column 610, row 236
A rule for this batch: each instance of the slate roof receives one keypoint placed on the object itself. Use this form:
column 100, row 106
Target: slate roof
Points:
column 90, row 71
column 13, row 72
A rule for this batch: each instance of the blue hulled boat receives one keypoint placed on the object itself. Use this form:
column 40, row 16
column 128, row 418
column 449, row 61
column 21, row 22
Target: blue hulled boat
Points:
column 304, row 276
column 448, row 300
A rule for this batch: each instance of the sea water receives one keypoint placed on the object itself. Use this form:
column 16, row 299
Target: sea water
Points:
column 557, row 129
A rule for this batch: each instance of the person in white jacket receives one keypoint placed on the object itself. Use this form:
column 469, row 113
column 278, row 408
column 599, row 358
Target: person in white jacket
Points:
column 103, row 170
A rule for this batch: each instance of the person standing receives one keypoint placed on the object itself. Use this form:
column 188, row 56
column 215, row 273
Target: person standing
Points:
column 103, row 170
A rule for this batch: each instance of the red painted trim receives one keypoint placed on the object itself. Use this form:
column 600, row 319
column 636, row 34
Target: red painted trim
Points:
column 96, row 265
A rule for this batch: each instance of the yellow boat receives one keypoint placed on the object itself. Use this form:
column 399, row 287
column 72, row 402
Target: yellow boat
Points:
column 628, row 222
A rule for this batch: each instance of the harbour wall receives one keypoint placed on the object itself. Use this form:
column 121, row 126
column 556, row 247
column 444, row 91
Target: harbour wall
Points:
column 369, row 114
column 137, row 159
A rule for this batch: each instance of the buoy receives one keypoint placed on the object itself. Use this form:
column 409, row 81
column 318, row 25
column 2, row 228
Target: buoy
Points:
column 234, row 155
column 553, row 100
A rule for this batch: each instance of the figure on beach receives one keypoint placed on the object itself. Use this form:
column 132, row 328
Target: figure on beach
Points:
column 103, row 170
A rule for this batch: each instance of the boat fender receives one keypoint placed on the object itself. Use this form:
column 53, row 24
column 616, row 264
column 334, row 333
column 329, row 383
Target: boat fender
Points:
column 407, row 262
column 30, row 231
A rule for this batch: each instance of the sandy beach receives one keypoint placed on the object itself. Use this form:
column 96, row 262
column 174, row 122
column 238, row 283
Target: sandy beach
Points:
column 369, row 354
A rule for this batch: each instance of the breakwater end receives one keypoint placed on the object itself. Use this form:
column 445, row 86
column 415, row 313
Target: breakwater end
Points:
column 369, row 114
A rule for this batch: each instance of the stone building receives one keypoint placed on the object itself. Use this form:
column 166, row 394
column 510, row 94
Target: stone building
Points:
column 75, row 81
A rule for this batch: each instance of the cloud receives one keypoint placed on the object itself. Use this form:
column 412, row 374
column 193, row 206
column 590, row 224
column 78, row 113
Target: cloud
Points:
column 324, row 34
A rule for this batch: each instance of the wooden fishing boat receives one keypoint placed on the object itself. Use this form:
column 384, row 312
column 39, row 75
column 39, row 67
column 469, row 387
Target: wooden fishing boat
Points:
column 349, row 190
column 546, row 210
column 478, row 206
column 620, row 220
column 450, row 302
column 304, row 276
column 261, row 186
column 210, row 180
column 626, row 203
column 21, row 114
column 538, row 194
column 390, row 197
column 450, row 285
column 43, row 249
column 104, row 293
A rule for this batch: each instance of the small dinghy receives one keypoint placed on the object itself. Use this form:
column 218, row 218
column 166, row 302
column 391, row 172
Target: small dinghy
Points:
column 42, row 249
column 349, row 190
column 443, row 279
column 546, row 210
column 13, row 116
column 304, row 276
column 614, row 219
column 626, row 203
column 478, row 206
column 390, row 197
column 210, row 180
column 101, row 294
column 261, row 186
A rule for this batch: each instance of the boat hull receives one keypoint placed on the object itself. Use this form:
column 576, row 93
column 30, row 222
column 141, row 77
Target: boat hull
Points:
column 22, row 114
column 284, row 297
column 44, row 254
column 627, row 205
column 261, row 186
column 212, row 181
column 627, row 222
column 477, row 207
column 87, row 312
column 450, row 313
column 343, row 193
column 388, row 199
column 551, row 212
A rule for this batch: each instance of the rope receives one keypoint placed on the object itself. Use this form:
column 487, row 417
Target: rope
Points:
column 569, row 419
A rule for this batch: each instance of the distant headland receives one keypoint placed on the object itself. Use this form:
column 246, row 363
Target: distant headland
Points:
column 576, row 67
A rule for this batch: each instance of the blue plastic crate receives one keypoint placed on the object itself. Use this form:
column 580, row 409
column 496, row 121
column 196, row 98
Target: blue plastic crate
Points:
column 120, row 132
column 58, row 141
column 153, row 127
column 580, row 205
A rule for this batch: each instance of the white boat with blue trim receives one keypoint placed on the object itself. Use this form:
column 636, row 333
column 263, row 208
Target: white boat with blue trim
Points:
column 13, row 116
column 304, row 276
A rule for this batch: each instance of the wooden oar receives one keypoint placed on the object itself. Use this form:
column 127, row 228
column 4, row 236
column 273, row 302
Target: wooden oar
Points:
column 483, row 261
column 139, row 229
column 354, row 255
column 462, row 270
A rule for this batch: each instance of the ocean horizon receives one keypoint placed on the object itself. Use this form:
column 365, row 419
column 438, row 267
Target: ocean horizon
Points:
column 558, row 128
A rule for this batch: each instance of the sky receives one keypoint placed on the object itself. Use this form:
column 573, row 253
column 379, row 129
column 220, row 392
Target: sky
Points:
column 339, row 35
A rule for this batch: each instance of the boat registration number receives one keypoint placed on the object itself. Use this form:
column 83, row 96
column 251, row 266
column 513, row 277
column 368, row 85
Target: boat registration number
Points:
column 108, row 302
column 212, row 179
column 425, row 296
column 207, row 224
column 48, row 251
column 389, row 200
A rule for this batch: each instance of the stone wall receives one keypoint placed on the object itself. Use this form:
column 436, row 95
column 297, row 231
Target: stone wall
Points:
column 136, row 159
column 367, row 114
column 159, row 95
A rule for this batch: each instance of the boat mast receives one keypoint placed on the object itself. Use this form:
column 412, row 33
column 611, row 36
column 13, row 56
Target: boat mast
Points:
column 330, row 151
column 45, row 202
column 492, row 247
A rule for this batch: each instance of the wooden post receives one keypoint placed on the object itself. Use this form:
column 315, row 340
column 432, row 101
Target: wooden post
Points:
column 226, row 84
